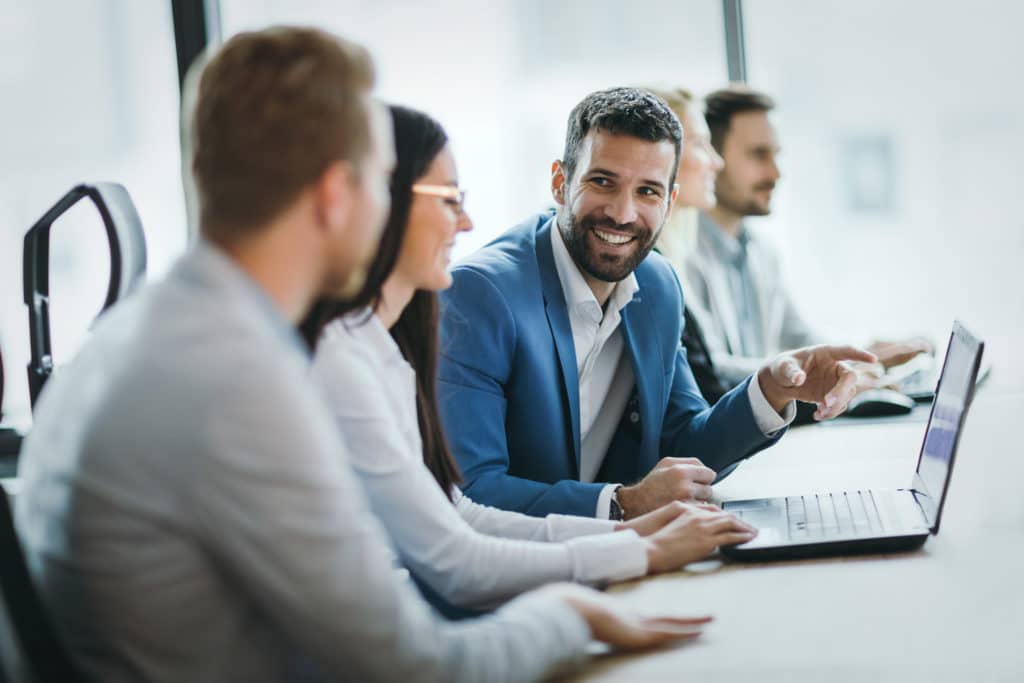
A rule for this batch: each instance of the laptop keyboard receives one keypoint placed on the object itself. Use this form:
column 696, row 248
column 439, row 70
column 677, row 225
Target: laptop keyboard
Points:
column 850, row 513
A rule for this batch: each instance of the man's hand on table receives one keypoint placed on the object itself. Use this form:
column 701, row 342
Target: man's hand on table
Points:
column 672, row 479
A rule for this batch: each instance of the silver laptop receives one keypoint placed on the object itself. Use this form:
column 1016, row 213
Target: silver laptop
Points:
column 844, row 522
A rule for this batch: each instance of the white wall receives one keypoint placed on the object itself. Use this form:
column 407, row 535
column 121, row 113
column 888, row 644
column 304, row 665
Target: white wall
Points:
column 936, row 82
column 89, row 92
column 502, row 76
column 941, row 81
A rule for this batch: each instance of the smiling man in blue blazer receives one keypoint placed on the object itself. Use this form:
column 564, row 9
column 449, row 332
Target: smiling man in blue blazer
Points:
column 563, row 387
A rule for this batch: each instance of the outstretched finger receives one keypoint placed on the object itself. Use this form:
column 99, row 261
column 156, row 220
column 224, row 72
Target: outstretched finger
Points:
column 663, row 515
column 659, row 631
column 637, row 633
column 700, row 492
column 728, row 523
column 700, row 474
column 839, row 395
column 735, row 537
column 683, row 621
column 657, row 636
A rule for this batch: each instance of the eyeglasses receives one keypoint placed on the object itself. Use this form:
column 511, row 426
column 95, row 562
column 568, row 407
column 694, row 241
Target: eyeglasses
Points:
column 453, row 196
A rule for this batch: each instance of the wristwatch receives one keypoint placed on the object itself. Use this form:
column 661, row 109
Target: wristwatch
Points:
column 615, row 511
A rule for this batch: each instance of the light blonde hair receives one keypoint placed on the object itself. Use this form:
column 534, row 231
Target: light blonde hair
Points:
column 679, row 100
column 679, row 235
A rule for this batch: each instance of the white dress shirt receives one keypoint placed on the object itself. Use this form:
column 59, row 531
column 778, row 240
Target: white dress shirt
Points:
column 606, row 374
column 189, row 513
column 472, row 555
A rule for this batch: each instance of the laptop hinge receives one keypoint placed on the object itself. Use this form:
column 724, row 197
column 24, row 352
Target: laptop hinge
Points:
column 929, row 506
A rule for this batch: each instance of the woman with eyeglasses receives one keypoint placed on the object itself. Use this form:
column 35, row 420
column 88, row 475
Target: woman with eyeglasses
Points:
column 376, row 357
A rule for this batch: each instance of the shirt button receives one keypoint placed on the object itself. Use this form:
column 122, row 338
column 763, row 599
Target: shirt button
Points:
column 634, row 417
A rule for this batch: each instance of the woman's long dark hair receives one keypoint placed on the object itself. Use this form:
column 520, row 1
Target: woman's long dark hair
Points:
column 418, row 141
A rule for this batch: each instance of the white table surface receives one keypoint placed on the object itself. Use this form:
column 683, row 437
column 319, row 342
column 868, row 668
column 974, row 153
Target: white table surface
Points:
column 952, row 611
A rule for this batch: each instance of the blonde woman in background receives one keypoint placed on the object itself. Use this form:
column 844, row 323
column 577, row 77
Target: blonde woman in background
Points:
column 699, row 165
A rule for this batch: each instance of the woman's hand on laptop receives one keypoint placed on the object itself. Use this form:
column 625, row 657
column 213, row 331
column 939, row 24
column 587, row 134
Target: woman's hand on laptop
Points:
column 692, row 535
column 655, row 521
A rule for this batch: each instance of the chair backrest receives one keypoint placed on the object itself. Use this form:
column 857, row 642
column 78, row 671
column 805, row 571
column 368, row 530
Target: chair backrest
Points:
column 1, row 385
column 10, row 440
column 127, row 265
column 32, row 650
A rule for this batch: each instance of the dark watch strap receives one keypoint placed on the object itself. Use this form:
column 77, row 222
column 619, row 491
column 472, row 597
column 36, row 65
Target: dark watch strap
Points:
column 615, row 512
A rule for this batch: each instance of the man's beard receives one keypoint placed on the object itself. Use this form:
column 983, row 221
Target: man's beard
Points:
column 749, row 206
column 353, row 284
column 348, row 283
column 755, row 207
column 602, row 266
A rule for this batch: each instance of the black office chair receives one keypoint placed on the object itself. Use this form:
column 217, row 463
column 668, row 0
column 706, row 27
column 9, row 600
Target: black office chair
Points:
column 10, row 440
column 1, row 385
column 127, row 266
column 32, row 652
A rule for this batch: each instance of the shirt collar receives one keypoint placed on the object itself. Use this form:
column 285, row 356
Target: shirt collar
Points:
column 578, row 294
column 214, row 263
column 729, row 249
column 364, row 326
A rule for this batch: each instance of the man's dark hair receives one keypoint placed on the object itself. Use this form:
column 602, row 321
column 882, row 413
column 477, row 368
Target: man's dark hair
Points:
column 721, row 105
column 621, row 111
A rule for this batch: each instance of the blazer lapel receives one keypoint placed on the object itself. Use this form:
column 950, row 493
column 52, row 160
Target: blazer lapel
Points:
column 561, row 332
column 641, row 342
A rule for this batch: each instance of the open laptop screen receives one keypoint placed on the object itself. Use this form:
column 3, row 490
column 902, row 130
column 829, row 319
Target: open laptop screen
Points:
column 951, row 400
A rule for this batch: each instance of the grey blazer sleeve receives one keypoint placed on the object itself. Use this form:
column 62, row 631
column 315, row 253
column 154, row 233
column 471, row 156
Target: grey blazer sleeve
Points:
column 283, row 514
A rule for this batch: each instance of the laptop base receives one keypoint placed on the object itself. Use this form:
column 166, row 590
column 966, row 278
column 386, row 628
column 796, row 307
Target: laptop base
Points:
column 852, row 546
column 869, row 521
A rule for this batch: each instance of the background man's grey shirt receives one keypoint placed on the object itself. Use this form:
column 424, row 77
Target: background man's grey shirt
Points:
column 746, row 314
column 189, row 514
column 732, row 254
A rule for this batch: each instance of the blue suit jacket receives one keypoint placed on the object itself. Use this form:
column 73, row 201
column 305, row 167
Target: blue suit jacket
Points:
column 509, row 391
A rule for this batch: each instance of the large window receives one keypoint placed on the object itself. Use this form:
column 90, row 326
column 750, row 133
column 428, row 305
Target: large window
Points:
column 901, row 127
column 89, row 93
column 502, row 76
